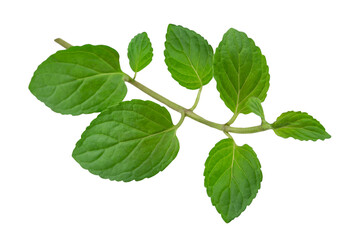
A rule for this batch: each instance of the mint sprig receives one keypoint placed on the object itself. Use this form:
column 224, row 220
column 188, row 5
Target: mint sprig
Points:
column 136, row 139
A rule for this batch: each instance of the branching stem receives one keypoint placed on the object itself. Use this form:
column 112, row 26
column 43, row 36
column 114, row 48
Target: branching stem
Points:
column 226, row 128
column 189, row 113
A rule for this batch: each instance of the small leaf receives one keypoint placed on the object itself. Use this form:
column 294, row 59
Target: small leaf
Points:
column 240, row 71
column 131, row 141
column 299, row 125
column 254, row 105
column 140, row 52
column 188, row 56
column 232, row 178
column 79, row 80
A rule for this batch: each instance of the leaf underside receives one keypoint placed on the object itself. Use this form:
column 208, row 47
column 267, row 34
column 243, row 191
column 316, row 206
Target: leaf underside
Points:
column 140, row 52
column 78, row 80
column 232, row 177
column 300, row 126
column 131, row 141
column 188, row 56
column 240, row 71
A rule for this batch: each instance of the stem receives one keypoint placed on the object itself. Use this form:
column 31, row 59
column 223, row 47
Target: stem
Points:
column 196, row 100
column 260, row 128
column 157, row 96
column 63, row 43
column 232, row 119
column 183, row 115
column 228, row 135
column 187, row 112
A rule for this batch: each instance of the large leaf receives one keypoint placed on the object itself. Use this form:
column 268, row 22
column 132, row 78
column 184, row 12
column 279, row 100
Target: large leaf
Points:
column 188, row 56
column 232, row 178
column 140, row 52
column 131, row 141
column 299, row 125
column 240, row 71
column 79, row 80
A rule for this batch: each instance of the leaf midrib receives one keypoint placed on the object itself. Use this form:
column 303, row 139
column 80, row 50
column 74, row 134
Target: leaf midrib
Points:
column 187, row 57
column 78, row 79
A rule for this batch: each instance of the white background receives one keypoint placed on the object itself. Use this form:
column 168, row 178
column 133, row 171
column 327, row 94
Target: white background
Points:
column 310, row 190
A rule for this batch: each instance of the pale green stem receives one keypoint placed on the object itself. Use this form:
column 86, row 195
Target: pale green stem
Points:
column 196, row 100
column 183, row 115
column 187, row 112
column 232, row 119
column 157, row 96
column 228, row 135
column 63, row 43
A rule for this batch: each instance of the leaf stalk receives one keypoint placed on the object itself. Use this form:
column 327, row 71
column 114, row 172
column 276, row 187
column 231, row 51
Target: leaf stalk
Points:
column 196, row 100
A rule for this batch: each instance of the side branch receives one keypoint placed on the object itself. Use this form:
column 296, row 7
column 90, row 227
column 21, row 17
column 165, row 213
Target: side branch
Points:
column 189, row 113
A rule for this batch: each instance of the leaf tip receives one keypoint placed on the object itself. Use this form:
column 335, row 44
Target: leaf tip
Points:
column 326, row 135
column 170, row 26
column 226, row 219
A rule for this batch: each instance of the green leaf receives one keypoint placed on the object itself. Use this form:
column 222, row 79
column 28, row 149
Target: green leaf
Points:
column 299, row 125
column 140, row 52
column 240, row 71
column 131, row 141
column 84, row 79
column 254, row 105
column 232, row 178
column 188, row 56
